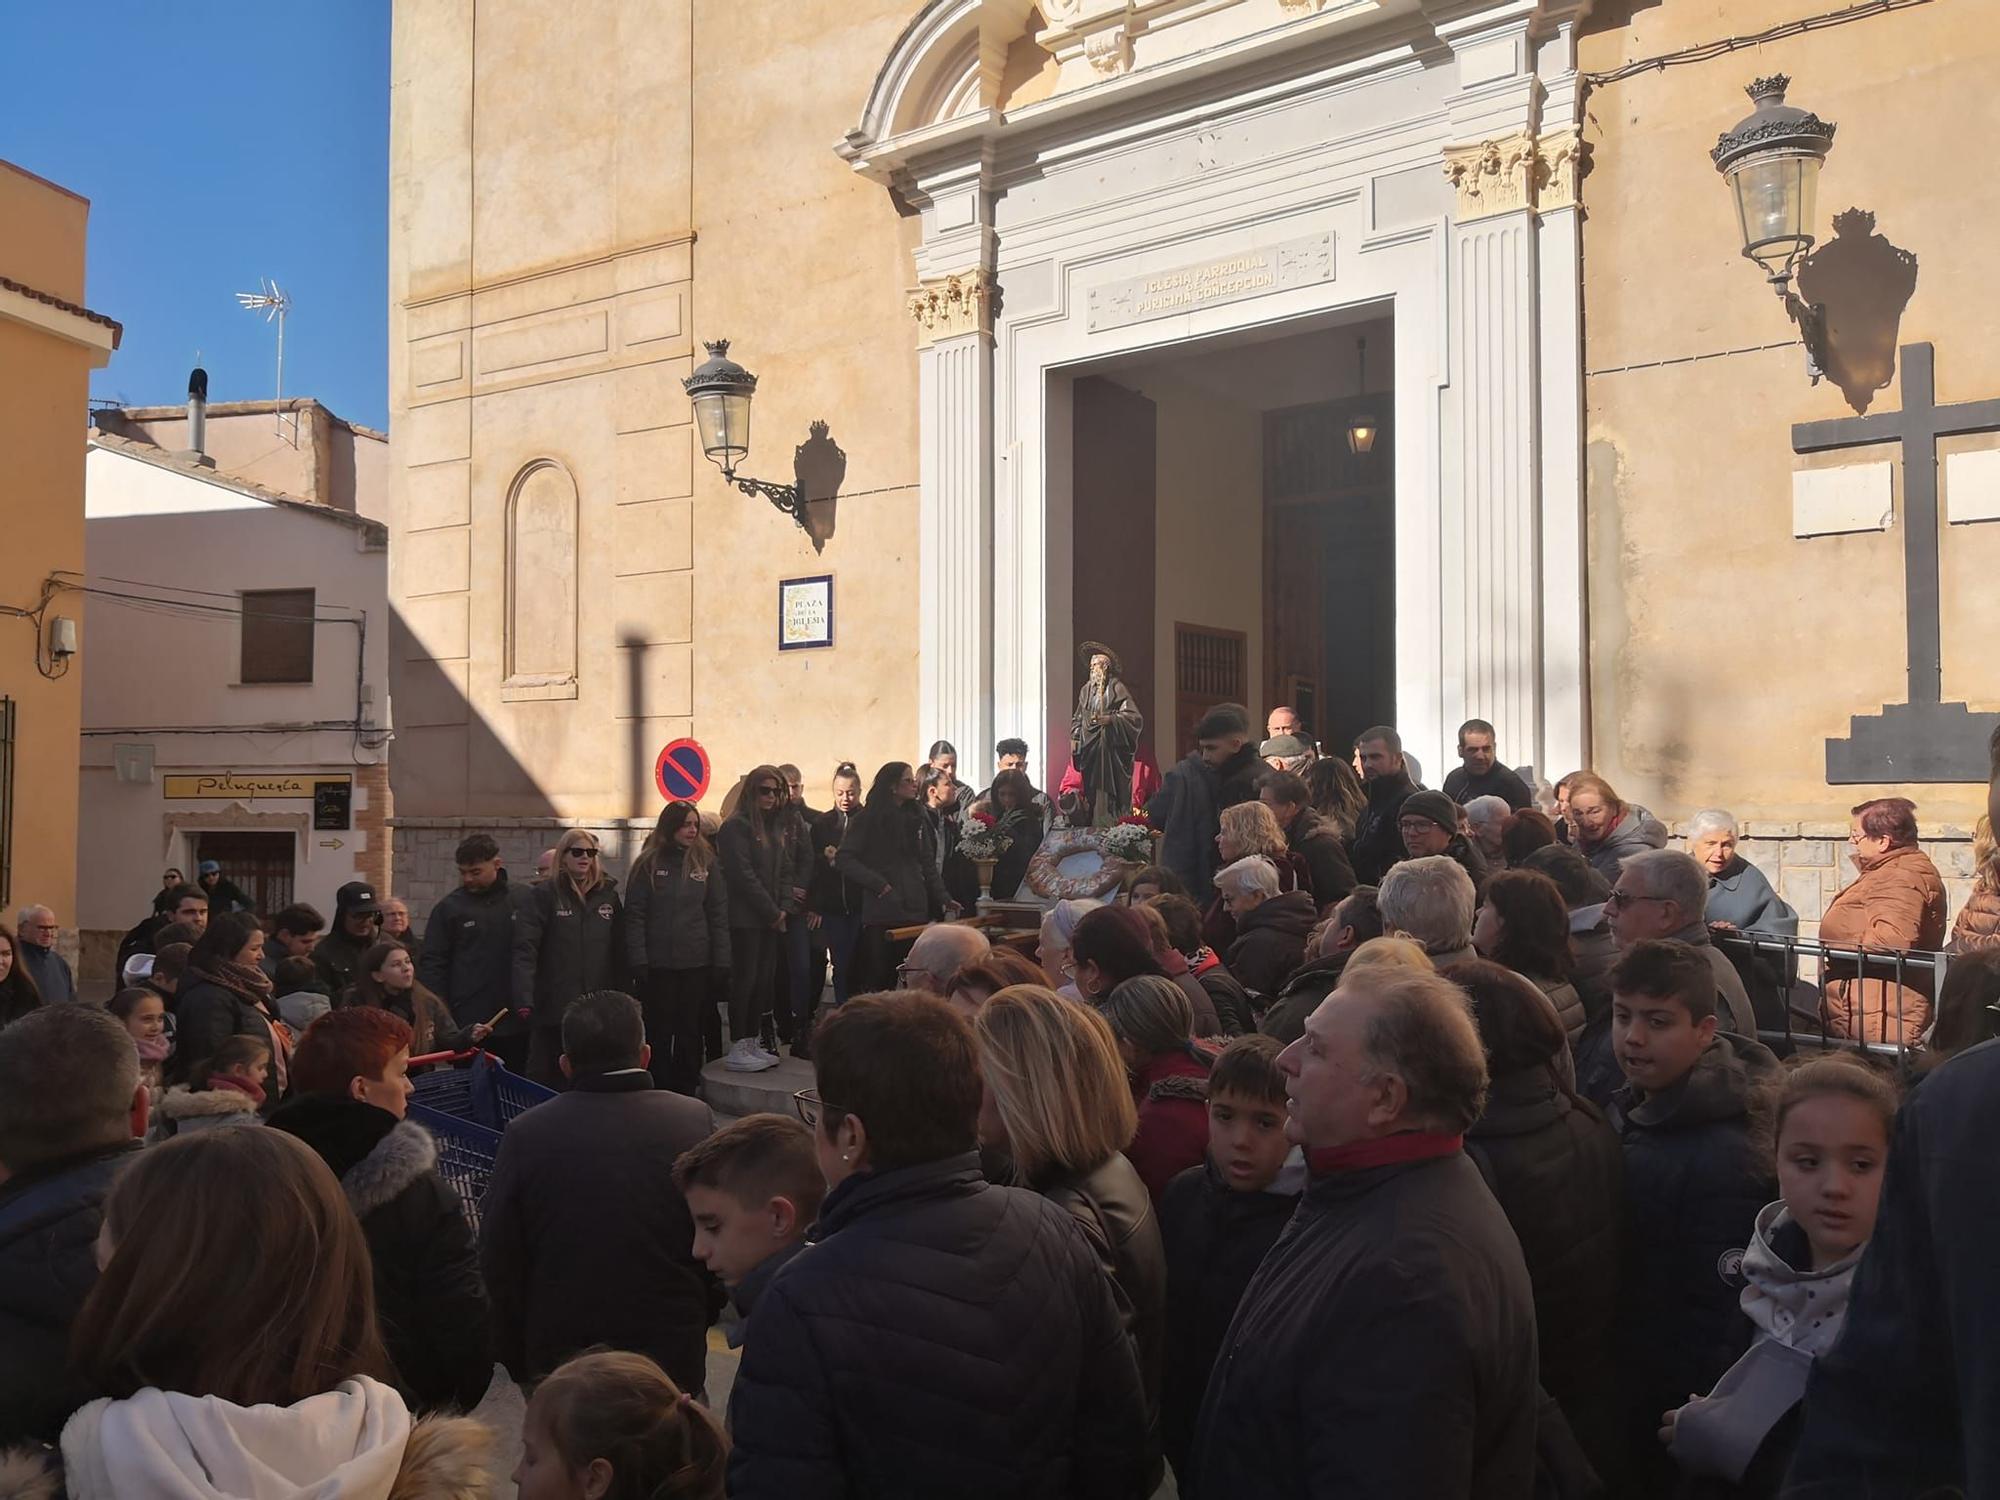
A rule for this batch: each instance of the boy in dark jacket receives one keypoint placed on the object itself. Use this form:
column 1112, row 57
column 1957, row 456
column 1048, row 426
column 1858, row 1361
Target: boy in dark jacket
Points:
column 754, row 1188
column 1694, row 1182
column 1219, row 1219
column 467, row 955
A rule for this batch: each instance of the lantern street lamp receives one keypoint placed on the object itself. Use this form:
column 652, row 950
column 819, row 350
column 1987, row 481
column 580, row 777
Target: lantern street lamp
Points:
column 1362, row 427
column 1771, row 160
column 719, row 391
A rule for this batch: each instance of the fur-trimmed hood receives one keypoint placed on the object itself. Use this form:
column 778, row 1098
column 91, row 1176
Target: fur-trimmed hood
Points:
column 375, row 1155
column 181, row 1103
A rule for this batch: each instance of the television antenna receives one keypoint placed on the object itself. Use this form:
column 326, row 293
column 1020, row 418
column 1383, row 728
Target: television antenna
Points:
column 273, row 302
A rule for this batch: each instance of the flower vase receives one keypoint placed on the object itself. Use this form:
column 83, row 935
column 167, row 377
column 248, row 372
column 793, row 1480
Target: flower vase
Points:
column 985, row 868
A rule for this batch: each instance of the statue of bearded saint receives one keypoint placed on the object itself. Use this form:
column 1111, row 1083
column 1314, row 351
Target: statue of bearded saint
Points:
column 1104, row 737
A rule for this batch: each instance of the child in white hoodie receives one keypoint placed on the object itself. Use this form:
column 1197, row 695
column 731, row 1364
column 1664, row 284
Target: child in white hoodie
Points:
column 233, row 1326
column 1833, row 1119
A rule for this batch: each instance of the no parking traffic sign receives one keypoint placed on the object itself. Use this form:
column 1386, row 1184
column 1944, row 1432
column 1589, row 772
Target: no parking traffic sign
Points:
column 681, row 772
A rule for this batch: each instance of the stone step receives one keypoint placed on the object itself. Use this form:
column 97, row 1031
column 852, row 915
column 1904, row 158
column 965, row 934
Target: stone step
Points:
column 768, row 1092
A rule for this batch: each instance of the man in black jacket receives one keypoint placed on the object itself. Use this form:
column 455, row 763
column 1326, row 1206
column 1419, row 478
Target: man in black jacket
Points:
column 1378, row 842
column 1221, row 772
column 1386, row 1346
column 1907, row 1403
column 583, row 1236
column 1480, row 773
column 71, row 1107
column 468, row 949
column 1308, row 835
column 938, row 1335
column 357, row 922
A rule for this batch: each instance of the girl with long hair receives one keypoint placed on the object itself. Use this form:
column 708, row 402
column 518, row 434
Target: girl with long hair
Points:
column 232, row 1330
column 226, row 992
column 568, row 941
column 1524, row 926
column 889, row 854
column 1337, row 794
column 18, row 994
column 386, row 976
column 676, row 936
column 613, row 1426
column 762, row 861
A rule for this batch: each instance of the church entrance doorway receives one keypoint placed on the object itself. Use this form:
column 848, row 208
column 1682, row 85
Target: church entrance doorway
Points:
column 1227, row 538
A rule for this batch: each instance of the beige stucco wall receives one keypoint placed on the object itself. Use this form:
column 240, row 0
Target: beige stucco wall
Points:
column 298, row 448
column 1723, row 650
column 44, row 389
column 574, row 204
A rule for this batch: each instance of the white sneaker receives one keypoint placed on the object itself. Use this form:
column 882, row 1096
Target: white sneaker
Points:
column 771, row 1059
column 747, row 1057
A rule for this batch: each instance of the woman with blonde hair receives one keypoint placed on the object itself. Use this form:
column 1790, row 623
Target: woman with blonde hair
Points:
column 1249, row 828
column 1058, row 1105
column 568, row 941
column 1978, row 924
column 676, row 936
column 232, row 1329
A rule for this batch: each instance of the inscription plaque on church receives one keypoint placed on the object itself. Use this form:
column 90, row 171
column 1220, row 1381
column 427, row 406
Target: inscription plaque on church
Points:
column 1212, row 283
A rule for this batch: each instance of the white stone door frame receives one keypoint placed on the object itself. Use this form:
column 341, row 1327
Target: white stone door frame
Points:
column 1242, row 146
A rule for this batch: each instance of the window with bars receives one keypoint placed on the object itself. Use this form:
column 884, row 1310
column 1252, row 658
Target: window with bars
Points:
column 1210, row 667
column 277, row 635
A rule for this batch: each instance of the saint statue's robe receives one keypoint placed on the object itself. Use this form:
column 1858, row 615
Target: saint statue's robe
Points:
column 1103, row 740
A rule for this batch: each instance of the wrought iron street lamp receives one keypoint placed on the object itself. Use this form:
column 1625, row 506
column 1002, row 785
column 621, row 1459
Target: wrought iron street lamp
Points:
column 720, row 390
column 1771, row 159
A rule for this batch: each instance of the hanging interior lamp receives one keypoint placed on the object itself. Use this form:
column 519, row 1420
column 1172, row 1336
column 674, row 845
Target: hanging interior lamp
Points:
column 1362, row 426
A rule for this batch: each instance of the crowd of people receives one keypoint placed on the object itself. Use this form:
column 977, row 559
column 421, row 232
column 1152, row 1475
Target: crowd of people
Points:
column 1376, row 1140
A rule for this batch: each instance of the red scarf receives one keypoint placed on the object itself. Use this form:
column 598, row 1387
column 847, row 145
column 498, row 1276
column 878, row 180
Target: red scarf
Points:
column 242, row 1085
column 1384, row 1151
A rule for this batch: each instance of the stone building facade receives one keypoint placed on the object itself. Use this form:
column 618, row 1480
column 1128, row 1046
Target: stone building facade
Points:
column 1043, row 293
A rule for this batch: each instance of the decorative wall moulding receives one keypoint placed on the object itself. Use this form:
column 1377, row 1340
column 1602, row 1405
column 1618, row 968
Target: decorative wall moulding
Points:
column 1516, row 172
column 950, row 306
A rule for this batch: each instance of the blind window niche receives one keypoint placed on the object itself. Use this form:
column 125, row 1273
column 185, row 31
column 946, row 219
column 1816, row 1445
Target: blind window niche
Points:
column 277, row 635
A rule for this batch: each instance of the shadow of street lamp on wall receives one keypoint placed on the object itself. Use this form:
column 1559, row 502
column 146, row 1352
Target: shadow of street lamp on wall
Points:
column 1771, row 159
column 720, row 391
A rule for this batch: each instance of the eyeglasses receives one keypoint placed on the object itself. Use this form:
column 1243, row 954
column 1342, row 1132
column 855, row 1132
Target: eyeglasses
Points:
column 1416, row 825
column 810, row 1106
column 770, row 791
column 1623, row 898
column 579, row 852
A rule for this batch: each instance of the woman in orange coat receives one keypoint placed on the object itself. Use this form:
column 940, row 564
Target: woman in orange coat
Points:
column 1896, row 902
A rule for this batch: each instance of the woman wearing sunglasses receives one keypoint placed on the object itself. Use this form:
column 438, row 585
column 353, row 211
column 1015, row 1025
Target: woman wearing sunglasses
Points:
column 762, row 860
column 568, row 941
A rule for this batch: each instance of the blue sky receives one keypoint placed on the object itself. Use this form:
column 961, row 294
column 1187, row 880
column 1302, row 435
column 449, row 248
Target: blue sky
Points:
column 218, row 141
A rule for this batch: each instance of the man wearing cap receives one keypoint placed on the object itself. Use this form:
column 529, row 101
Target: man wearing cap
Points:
column 1288, row 752
column 356, row 918
column 1428, row 823
column 223, row 895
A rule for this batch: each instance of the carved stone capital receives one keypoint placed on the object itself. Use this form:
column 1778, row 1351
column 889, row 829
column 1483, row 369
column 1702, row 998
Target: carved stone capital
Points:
column 1515, row 173
column 949, row 306
column 1109, row 52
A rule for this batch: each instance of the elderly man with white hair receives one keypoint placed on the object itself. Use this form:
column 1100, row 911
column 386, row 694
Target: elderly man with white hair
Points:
column 940, row 951
column 1484, row 819
column 38, row 929
column 1389, row 1337
column 1740, row 899
column 1663, row 893
column 1431, row 901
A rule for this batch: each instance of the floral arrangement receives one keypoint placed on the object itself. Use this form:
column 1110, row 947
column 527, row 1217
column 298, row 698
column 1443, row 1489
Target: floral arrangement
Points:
column 983, row 838
column 1129, row 839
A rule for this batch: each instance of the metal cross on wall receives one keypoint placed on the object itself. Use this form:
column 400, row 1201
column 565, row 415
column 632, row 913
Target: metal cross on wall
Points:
column 1925, row 739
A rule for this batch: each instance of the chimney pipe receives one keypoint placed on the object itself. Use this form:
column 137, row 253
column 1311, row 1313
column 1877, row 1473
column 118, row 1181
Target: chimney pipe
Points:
column 198, row 411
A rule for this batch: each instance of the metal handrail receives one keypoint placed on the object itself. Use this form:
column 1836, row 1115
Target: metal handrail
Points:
column 1784, row 970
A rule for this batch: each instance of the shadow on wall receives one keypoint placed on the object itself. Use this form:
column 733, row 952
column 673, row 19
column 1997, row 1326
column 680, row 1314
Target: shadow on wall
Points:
column 819, row 466
column 1863, row 282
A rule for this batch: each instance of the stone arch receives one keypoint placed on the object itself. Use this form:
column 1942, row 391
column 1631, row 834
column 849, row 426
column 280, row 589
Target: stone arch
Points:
column 949, row 61
column 541, row 612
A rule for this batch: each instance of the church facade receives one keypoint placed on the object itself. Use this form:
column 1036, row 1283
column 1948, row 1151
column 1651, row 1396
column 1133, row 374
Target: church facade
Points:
column 1392, row 357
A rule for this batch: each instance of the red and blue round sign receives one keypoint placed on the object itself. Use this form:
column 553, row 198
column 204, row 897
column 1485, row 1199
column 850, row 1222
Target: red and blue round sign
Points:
column 682, row 771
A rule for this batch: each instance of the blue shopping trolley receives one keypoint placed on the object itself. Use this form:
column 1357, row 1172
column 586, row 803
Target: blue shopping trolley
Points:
column 465, row 1104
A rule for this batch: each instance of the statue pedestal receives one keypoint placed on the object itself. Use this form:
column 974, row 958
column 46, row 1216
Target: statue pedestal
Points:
column 1914, row 742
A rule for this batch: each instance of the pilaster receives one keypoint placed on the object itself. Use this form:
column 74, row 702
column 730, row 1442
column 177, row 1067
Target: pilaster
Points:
column 954, row 317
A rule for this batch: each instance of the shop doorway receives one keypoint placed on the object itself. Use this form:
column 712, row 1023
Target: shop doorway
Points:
column 262, row 865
